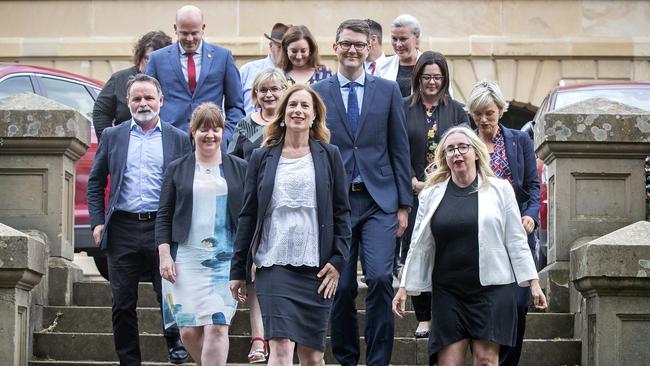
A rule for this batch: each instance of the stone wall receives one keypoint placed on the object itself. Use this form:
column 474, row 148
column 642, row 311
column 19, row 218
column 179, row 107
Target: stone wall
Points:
column 529, row 46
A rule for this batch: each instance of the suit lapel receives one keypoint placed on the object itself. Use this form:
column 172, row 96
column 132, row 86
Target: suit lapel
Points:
column 123, row 148
column 175, row 60
column 511, row 152
column 207, row 55
column 335, row 95
column 320, row 170
column 268, row 178
column 368, row 97
column 168, row 144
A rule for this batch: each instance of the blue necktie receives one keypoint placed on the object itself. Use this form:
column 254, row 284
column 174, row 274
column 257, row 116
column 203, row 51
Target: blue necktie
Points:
column 353, row 119
column 353, row 106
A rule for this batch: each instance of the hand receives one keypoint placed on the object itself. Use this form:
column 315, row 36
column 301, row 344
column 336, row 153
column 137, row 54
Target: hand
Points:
column 167, row 265
column 399, row 302
column 539, row 300
column 529, row 224
column 418, row 187
column 97, row 234
column 402, row 221
column 238, row 290
column 330, row 282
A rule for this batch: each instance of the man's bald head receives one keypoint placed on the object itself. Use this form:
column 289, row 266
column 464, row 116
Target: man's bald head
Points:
column 189, row 11
column 189, row 27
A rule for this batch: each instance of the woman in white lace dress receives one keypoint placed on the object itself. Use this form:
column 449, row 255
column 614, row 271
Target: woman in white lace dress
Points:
column 294, row 228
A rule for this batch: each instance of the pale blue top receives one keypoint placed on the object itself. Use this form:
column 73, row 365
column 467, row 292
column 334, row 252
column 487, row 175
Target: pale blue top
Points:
column 143, row 175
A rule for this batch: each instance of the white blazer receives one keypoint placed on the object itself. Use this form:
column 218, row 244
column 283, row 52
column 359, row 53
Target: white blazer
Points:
column 503, row 253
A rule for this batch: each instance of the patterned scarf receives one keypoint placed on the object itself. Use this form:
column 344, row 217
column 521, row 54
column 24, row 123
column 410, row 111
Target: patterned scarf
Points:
column 499, row 159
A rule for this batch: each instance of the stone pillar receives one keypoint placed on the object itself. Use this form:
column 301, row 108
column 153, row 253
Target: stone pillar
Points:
column 23, row 261
column 611, row 273
column 595, row 152
column 40, row 141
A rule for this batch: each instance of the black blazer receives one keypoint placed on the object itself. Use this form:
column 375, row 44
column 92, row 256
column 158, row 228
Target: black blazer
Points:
column 176, row 197
column 331, row 199
column 450, row 115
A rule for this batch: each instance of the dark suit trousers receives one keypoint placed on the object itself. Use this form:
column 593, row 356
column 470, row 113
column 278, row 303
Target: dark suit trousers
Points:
column 131, row 252
column 373, row 241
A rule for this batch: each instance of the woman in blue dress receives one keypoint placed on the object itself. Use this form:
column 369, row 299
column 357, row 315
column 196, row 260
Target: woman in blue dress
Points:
column 199, row 203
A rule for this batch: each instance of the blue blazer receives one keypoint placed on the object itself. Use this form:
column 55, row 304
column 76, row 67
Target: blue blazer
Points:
column 381, row 144
column 110, row 159
column 218, row 82
column 331, row 201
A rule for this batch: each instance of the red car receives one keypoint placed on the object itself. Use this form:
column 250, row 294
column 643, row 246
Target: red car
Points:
column 636, row 94
column 77, row 92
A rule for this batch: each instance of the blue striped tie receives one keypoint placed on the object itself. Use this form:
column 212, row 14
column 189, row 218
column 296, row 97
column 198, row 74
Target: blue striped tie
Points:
column 353, row 119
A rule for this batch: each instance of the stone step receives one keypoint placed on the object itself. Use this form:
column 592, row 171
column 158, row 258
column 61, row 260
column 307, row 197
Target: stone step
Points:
column 87, row 319
column 99, row 294
column 407, row 351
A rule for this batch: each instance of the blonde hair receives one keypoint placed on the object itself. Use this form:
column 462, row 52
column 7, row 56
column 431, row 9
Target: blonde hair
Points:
column 268, row 75
column 484, row 92
column 443, row 171
column 207, row 114
column 274, row 132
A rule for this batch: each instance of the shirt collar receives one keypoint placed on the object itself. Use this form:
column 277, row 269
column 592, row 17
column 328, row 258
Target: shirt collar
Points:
column 343, row 80
column 138, row 128
column 198, row 49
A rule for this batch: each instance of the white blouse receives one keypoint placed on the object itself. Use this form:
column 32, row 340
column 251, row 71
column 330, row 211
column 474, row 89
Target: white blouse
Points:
column 290, row 229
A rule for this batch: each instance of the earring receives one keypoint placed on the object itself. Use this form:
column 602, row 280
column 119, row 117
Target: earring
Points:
column 282, row 123
column 311, row 124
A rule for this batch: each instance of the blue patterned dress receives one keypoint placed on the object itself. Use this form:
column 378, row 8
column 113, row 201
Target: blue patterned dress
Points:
column 201, row 295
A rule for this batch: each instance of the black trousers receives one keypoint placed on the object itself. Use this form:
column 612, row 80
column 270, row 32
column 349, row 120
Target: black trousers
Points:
column 131, row 252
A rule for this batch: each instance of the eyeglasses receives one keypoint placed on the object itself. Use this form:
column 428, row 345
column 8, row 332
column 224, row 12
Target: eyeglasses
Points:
column 359, row 46
column 462, row 149
column 273, row 90
column 426, row 78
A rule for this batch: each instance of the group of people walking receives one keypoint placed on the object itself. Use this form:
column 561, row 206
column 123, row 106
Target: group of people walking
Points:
column 275, row 208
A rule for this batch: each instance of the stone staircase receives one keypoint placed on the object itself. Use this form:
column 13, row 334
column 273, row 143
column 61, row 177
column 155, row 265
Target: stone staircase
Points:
column 80, row 335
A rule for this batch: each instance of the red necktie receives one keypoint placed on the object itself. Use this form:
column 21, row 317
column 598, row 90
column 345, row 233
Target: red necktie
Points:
column 191, row 72
column 373, row 66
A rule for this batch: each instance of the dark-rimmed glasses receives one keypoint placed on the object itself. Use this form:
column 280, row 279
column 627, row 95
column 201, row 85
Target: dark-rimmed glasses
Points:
column 426, row 78
column 359, row 46
column 462, row 149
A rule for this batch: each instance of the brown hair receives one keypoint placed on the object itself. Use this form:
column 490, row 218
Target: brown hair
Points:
column 357, row 26
column 294, row 34
column 430, row 58
column 153, row 39
column 274, row 133
column 206, row 115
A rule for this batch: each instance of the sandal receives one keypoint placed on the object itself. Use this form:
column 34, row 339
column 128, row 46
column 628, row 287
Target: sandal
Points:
column 259, row 355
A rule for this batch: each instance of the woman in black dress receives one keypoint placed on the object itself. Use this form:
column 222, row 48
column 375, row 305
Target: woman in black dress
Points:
column 468, row 247
column 295, row 228
column 430, row 111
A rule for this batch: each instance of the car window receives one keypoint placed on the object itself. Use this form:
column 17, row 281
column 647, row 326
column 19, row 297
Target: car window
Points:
column 15, row 85
column 541, row 110
column 636, row 97
column 72, row 94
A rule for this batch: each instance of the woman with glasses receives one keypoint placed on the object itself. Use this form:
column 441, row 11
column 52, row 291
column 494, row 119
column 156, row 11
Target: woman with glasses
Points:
column 468, row 247
column 405, row 38
column 295, row 227
column 511, row 158
column 268, row 87
column 430, row 111
column 299, row 59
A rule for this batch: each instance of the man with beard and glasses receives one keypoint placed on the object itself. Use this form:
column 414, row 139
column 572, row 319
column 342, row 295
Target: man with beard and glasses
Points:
column 135, row 155
column 192, row 72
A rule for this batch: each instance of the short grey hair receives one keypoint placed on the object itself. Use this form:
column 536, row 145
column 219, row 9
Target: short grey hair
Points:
column 484, row 92
column 142, row 78
column 407, row 20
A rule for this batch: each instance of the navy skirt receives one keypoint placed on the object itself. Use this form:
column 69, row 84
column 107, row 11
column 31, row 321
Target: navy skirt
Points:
column 290, row 306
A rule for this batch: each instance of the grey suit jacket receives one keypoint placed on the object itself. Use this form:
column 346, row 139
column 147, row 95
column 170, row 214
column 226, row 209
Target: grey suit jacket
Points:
column 110, row 159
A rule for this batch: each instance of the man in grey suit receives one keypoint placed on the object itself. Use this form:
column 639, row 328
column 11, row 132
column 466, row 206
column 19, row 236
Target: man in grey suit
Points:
column 366, row 118
column 135, row 155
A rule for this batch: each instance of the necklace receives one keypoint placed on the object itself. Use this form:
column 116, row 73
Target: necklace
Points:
column 262, row 117
column 428, row 108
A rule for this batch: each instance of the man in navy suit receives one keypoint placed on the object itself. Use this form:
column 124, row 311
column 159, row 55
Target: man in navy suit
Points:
column 209, row 75
column 366, row 118
column 135, row 155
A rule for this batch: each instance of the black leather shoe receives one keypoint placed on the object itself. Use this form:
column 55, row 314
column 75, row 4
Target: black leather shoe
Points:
column 177, row 352
column 422, row 334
